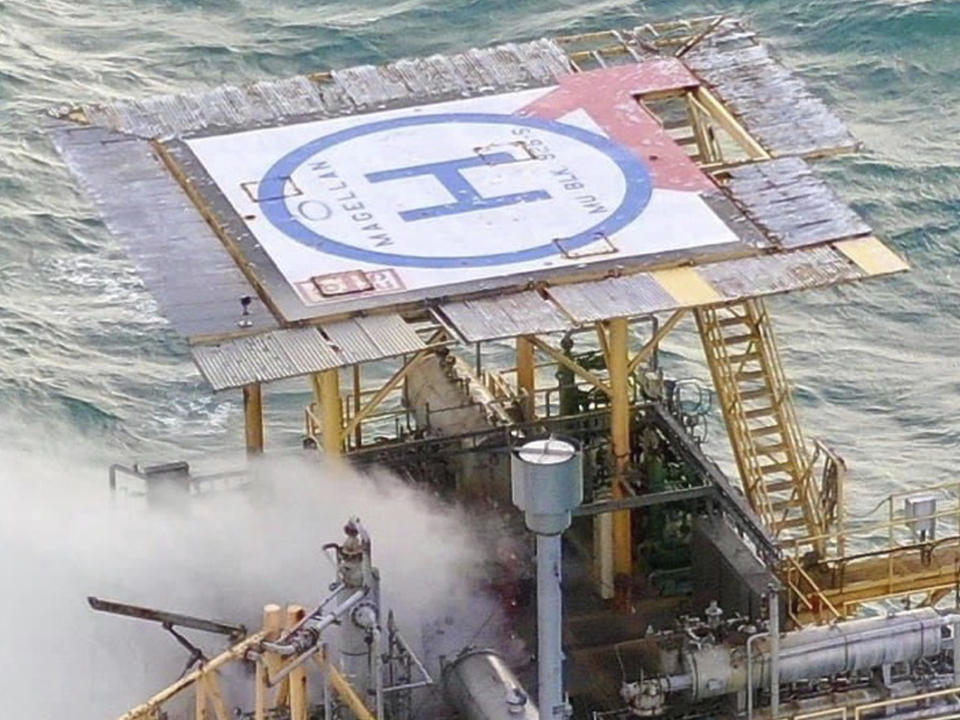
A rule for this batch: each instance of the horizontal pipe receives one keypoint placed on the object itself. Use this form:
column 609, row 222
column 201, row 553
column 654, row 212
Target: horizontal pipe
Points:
column 647, row 500
column 319, row 627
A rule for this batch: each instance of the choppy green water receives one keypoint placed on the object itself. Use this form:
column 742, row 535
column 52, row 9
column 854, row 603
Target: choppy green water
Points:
column 87, row 362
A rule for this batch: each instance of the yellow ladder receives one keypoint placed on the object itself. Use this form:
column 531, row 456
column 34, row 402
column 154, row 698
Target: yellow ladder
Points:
column 774, row 463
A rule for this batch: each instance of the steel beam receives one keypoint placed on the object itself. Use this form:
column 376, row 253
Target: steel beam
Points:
column 617, row 368
column 651, row 347
column 526, row 378
column 561, row 358
column 381, row 394
column 253, row 418
column 326, row 390
column 635, row 502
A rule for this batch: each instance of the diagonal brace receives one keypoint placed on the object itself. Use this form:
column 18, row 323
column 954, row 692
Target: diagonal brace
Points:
column 568, row 363
column 382, row 393
column 658, row 336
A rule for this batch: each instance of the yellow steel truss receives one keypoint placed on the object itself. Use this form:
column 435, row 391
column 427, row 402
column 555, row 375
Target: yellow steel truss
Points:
column 292, row 693
column 775, row 465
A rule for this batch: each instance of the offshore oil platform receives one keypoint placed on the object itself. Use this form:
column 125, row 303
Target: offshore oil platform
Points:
column 473, row 259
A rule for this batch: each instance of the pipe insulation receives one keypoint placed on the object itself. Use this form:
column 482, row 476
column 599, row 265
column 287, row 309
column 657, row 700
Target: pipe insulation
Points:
column 814, row 652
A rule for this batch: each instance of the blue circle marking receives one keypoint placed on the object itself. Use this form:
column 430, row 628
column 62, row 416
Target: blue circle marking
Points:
column 639, row 186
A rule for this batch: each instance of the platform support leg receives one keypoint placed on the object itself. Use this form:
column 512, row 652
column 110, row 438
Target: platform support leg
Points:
column 526, row 378
column 326, row 388
column 268, row 662
column 617, row 367
column 253, row 417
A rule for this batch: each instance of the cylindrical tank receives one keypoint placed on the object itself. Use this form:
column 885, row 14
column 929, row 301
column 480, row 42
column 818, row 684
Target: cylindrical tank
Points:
column 481, row 687
column 815, row 652
column 547, row 483
column 857, row 645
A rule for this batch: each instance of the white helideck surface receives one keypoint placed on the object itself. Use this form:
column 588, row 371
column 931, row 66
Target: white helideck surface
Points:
column 335, row 195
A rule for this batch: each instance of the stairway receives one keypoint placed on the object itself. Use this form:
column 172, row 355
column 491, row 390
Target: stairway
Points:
column 774, row 463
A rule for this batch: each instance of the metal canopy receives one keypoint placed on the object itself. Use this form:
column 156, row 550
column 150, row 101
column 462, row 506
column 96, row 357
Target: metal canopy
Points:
column 219, row 241
column 294, row 352
column 182, row 262
column 564, row 307
column 772, row 103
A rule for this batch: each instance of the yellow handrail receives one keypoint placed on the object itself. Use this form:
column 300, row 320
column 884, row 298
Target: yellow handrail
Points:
column 859, row 710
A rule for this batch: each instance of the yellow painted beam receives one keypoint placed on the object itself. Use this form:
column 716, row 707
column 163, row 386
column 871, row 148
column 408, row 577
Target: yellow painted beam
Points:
column 687, row 286
column 872, row 256
column 382, row 393
column 200, row 694
column 215, row 694
column 268, row 663
column 357, row 386
column 719, row 113
column 561, row 358
column 326, row 390
column 526, row 378
column 297, row 679
column 345, row 690
column 236, row 652
column 658, row 336
column 617, row 367
column 253, row 418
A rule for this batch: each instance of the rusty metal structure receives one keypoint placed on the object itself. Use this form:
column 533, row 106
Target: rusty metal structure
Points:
column 457, row 253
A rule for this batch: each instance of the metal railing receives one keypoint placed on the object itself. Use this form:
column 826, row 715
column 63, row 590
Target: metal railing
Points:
column 893, row 561
column 883, row 707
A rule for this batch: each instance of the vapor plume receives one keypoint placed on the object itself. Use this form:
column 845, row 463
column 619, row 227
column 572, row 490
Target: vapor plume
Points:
column 222, row 556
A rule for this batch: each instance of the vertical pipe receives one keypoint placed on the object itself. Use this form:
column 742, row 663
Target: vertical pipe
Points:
column 603, row 552
column 378, row 671
column 750, row 689
column 549, row 628
column 774, row 598
column 620, row 436
column 526, row 378
column 358, row 432
column 956, row 654
column 327, row 386
column 253, row 418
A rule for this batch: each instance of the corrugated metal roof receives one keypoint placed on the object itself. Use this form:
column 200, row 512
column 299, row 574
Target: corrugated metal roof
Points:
column 261, row 358
column 796, row 207
column 643, row 294
column 302, row 351
column 363, row 339
column 476, row 71
column 184, row 265
column 779, row 272
column 522, row 313
column 612, row 297
column 773, row 104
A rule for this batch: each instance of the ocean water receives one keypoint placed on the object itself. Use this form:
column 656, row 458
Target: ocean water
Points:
column 91, row 373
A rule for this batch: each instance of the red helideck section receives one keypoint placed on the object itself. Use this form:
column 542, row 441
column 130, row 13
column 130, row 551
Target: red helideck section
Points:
column 610, row 97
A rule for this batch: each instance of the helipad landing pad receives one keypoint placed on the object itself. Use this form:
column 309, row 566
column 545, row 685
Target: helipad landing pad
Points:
column 484, row 189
